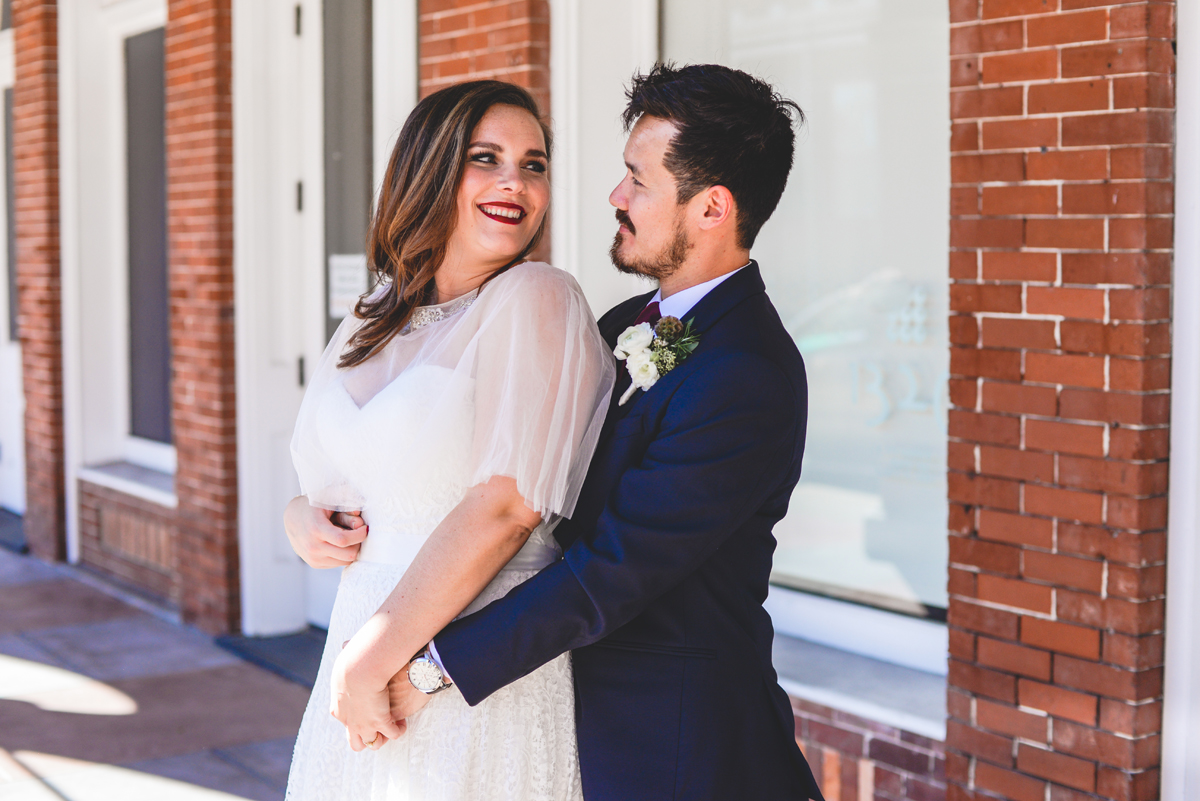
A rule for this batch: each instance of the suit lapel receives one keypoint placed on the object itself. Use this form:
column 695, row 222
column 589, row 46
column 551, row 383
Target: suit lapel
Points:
column 704, row 315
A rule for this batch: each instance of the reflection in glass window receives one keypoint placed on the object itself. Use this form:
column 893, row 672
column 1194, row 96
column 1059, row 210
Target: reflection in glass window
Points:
column 855, row 261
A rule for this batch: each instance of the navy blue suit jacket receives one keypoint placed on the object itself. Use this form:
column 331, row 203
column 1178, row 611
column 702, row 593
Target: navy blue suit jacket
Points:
column 666, row 562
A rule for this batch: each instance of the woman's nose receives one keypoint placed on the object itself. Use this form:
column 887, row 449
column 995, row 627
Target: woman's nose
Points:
column 510, row 178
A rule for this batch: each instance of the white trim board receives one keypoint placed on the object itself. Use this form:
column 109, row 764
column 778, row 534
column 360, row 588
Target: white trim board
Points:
column 1181, row 712
column 92, row 234
column 394, row 76
column 886, row 636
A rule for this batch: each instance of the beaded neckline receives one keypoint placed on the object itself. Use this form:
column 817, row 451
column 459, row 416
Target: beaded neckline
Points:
column 424, row 315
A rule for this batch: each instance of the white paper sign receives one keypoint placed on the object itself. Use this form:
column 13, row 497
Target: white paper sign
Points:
column 347, row 282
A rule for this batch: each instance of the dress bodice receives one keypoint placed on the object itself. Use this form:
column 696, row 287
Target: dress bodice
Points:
column 405, row 498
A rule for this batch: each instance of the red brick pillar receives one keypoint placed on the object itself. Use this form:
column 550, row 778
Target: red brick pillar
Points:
column 200, row 231
column 39, row 276
column 1060, row 264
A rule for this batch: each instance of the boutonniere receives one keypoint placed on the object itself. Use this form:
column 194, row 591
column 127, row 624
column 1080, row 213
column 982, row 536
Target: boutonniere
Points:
column 650, row 353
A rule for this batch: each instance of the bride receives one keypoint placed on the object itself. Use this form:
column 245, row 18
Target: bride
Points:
column 457, row 409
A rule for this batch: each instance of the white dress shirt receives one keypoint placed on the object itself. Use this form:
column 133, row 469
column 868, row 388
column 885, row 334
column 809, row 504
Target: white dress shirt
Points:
column 677, row 305
column 685, row 300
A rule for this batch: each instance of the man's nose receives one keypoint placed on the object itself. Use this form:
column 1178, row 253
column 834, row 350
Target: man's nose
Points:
column 617, row 196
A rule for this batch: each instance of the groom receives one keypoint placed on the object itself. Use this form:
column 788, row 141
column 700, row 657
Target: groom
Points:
column 668, row 555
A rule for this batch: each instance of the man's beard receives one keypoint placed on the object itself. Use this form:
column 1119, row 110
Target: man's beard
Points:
column 662, row 265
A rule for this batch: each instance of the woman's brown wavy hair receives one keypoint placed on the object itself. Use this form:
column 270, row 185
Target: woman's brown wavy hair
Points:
column 417, row 208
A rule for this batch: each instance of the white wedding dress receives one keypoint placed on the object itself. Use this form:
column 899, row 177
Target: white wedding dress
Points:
column 512, row 380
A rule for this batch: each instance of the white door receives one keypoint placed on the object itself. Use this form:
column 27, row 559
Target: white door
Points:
column 280, row 266
column 12, row 395
column 277, row 266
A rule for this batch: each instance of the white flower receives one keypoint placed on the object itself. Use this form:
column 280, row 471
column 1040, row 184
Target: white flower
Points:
column 642, row 370
column 633, row 340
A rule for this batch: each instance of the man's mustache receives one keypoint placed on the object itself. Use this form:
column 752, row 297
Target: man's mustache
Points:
column 623, row 219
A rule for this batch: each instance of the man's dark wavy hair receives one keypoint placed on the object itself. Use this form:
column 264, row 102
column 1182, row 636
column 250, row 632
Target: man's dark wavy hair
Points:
column 734, row 131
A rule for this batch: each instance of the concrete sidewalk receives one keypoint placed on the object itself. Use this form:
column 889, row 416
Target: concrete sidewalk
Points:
column 101, row 701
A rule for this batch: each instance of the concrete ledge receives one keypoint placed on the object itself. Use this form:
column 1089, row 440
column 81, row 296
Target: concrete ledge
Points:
column 897, row 696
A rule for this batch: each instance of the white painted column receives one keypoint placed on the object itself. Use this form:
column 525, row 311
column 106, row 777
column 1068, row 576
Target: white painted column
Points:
column 1181, row 715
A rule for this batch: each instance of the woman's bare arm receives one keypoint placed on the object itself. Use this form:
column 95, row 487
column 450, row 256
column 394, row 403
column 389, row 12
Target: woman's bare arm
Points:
column 462, row 555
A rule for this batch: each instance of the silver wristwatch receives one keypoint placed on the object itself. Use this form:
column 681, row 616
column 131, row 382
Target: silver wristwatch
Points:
column 425, row 675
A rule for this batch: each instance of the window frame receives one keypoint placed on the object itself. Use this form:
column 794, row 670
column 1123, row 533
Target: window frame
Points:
column 588, row 137
column 94, row 247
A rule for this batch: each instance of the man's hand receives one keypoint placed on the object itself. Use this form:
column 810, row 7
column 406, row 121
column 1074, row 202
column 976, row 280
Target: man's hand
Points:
column 405, row 699
column 323, row 538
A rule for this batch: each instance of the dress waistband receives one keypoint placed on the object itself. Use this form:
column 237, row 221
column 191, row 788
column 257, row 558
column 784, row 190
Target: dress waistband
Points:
column 390, row 546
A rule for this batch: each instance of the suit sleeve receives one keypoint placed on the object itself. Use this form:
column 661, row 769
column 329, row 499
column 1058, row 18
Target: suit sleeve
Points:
column 725, row 441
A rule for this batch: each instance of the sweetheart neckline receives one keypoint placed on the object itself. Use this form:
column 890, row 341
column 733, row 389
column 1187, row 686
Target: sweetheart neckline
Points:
column 342, row 383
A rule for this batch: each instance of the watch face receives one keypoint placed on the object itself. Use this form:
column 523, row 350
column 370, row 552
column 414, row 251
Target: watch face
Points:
column 425, row 675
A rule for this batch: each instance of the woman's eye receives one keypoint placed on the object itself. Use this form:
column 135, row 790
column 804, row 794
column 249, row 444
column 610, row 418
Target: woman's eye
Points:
column 536, row 166
column 484, row 158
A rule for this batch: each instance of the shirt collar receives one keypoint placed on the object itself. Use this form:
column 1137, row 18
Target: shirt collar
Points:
column 685, row 300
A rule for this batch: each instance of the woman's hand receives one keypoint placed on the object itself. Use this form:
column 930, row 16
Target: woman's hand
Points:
column 360, row 704
column 323, row 538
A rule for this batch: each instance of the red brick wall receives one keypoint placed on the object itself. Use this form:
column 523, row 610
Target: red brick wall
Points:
column 854, row 759
column 200, row 231
column 35, row 146
column 504, row 39
column 1060, row 266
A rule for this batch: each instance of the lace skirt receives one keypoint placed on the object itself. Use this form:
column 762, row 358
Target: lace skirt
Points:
column 517, row 745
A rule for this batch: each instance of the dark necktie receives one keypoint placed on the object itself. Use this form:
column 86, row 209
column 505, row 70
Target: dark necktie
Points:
column 650, row 314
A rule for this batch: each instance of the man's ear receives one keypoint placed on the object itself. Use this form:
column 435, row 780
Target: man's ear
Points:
column 717, row 208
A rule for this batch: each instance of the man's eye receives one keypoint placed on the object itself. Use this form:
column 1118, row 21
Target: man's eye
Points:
column 636, row 182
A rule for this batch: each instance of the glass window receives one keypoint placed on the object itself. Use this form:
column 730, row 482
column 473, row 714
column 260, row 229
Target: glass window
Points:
column 855, row 260
column 5, row 15
column 146, row 174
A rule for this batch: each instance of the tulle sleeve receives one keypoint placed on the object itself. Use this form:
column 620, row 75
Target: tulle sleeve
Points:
column 321, row 481
column 543, row 377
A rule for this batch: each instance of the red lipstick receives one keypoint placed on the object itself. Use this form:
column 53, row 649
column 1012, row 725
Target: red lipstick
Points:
column 508, row 213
